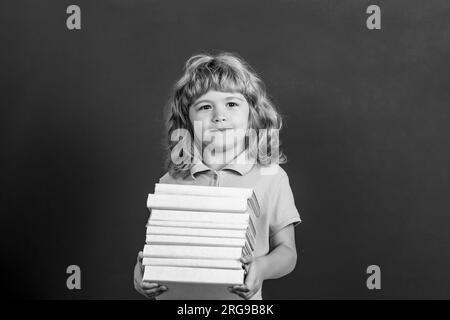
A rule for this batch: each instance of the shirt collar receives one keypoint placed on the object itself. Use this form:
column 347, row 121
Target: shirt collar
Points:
column 241, row 164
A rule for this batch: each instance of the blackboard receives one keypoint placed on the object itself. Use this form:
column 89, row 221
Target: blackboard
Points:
column 366, row 116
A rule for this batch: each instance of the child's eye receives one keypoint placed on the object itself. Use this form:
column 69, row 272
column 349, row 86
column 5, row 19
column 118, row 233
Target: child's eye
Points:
column 205, row 107
column 232, row 104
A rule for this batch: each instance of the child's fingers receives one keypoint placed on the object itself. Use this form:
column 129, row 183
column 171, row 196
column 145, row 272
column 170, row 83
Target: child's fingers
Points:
column 241, row 288
column 156, row 291
column 244, row 294
column 152, row 292
column 139, row 261
column 149, row 285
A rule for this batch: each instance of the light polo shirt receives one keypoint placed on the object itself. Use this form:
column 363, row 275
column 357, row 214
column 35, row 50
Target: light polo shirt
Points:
column 271, row 187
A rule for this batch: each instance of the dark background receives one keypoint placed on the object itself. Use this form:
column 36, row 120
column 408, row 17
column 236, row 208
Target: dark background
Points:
column 367, row 137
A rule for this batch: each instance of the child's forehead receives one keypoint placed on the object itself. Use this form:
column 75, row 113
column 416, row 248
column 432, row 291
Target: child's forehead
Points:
column 220, row 95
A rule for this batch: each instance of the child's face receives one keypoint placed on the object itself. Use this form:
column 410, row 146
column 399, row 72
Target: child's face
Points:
column 223, row 117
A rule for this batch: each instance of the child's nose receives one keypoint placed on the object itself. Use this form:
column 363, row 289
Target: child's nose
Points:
column 219, row 115
column 220, row 118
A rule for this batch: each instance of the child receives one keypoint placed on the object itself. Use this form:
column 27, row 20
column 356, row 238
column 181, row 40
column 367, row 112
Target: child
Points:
column 214, row 102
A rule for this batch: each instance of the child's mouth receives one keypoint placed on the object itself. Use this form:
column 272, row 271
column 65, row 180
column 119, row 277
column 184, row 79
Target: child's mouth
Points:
column 221, row 129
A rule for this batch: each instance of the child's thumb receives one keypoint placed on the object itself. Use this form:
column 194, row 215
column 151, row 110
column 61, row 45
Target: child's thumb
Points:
column 140, row 256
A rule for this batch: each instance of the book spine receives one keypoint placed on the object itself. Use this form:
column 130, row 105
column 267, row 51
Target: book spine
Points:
column 196, row 216
column 196, row 203
column 193, row 224
column 199, row 241
column 226, row 192
column 192, row 252
column 215, row 233
column 192, row 275
column 196, row 263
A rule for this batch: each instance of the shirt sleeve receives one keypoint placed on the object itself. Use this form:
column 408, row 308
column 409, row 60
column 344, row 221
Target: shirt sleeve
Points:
column 282, row 210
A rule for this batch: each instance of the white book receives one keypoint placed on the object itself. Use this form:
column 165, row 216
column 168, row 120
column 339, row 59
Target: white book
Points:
column 197, row 216
column 217, row 233
column 188, row 233
column 192, row 252
column 211, row 191
column 193, row 241
column 193, row 275
column 196, row 263
column 204, row 220
column 196, row 291
column 196, row 203
column 226, row 192
column 195, row 224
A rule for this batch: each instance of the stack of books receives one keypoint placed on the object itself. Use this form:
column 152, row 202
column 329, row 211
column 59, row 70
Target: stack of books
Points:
column 195, row 238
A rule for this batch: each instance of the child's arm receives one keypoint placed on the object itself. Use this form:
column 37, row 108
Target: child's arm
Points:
column 280, row 261
column 282, row 258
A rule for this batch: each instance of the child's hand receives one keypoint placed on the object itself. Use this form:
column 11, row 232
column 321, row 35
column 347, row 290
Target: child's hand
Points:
column 253, row 280
column 147, row 289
